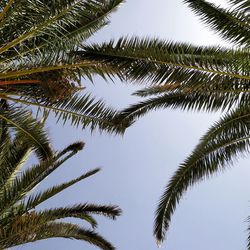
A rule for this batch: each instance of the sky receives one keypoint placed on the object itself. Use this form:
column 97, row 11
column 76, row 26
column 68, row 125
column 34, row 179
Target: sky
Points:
column 137, row 166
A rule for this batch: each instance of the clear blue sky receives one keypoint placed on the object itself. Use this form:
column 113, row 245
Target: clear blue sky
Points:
column 137, row 166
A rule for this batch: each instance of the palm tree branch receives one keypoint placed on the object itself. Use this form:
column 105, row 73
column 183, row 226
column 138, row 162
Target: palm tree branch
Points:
column 81, row 109
column 37, row 199
column 223, row 142
column 91, row 24
column 6, row 9
column 232, row 25
column 132, row 55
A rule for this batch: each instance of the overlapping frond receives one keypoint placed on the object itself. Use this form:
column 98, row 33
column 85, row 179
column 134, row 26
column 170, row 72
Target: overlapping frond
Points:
column 224, row 142
column 196, row 101
column 22, row 121
column 43, row 33
column 32, row 24
column 20, row 223
column 22, row 184
column 36, row 59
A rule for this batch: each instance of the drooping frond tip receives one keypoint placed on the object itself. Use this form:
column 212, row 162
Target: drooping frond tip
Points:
column 77, row 146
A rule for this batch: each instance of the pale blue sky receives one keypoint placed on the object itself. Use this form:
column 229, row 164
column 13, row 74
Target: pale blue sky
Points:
column 137, row 166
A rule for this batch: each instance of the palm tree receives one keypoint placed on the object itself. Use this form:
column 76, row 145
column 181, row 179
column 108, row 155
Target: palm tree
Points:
column 38, row 66
column 20, row 222
column 192, row 78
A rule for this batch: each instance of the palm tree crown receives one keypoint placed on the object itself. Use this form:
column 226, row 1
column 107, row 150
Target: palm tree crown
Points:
column 39, row 68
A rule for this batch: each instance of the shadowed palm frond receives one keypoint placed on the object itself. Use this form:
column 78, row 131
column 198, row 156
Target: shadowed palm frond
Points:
column 240, row 5
column 21, row 121
column 186, row 101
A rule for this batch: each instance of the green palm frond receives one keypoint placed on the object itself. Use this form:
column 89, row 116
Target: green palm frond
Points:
column 58, row 229
column 224, row 142
column 22, row 121
column 32, row 228
column 186, row 101
column 37, row 199
column 233, row 25
column 159, row 62
column 82, row 111
column 37, row 64
column 41, row 21
column 79, row 211
column 22, row 184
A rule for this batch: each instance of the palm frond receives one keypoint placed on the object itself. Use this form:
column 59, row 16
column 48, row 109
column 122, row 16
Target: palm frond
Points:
column 89, row 17
column 36, row 199
column 5, row 8
column 27, row 180
column 21, row 224
column 225, row 141
column 231, row 24
column 79, row 211
column 240, row 5
column 31, row 228
column 158, row 61
column 50, row 21
column 66, row 230
column 82, row 111
column 186, row 101
column 22, row 121
column 248, row 237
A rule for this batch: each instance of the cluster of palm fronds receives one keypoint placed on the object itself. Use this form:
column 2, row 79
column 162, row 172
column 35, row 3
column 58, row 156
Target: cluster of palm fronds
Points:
column 192, row 78
column 39, row 68
column 43, row 57
column 20, row 223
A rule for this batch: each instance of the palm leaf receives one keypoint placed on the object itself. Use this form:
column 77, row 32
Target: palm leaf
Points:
column 91, row 16
column 240, row 5
column 186, row 101
column 225, row 141
column 22, row 121
column 31, row 228
column 51, row 19
column 26, row 181
column 82, row 111
column 166, row 62
column 37, row 199
column 232, row 25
